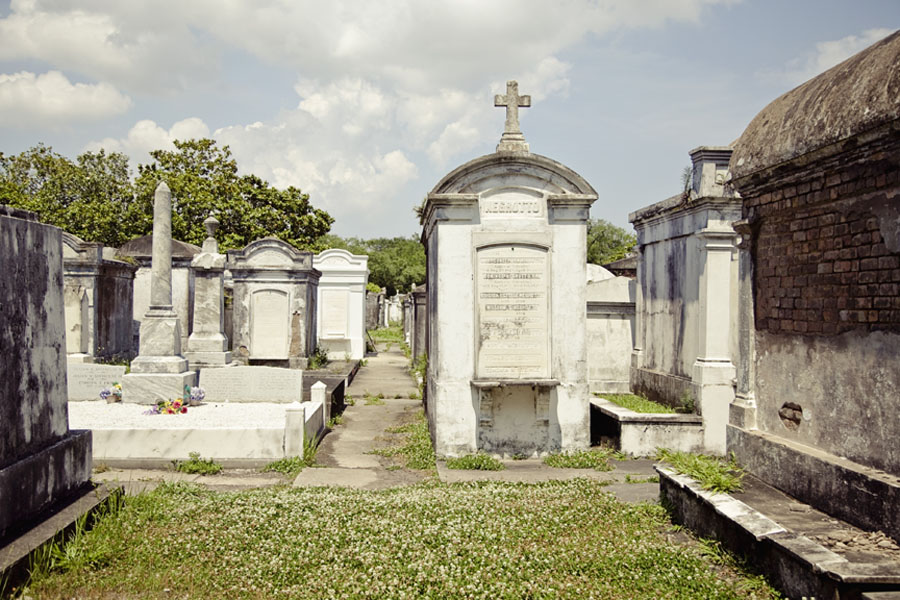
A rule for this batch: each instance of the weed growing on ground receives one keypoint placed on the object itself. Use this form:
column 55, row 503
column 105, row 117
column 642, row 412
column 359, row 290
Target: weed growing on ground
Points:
column 197, row 465
column 651, row 479
column 416, row 448
column 374, row 400
column 595, row 458
column 475, row 462
column 335, row 421
column 714, row 473
column 318, row 360
column 566, row 539
column 638, row 404
column 349, row 400
column 289, row 465
column 392, row 333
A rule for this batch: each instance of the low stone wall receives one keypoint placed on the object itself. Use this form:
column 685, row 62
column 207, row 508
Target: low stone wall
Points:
column 640, row 434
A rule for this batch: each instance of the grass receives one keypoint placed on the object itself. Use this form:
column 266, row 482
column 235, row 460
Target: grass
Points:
column 197, row 465
column 714, row 473
column 595, row 458
column 392, row 333
column 318, row 359
column 638, row 404
column 414, row 448
column 475, row 462
column 374, row 400
column 292, row 465
column 563, row 539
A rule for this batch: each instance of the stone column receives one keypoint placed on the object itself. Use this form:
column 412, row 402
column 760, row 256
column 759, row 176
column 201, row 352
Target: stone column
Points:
column 207, row 346
column 713, row 372
column 742, row 412
column 159, row 372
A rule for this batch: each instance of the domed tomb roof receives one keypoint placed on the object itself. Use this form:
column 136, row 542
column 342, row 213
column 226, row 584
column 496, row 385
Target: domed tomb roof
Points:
column 859, row 94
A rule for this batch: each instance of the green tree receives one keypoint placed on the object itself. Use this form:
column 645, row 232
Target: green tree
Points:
column 204, row 181
column 91, row 198
column 394, row 263
column 607, row 242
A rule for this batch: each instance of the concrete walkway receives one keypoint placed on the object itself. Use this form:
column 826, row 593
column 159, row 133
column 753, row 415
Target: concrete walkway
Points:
column 345, row 453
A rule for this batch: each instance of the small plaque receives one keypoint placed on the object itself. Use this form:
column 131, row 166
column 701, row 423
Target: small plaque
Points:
column 513, row 311
column 269, row 324
column 334, row 313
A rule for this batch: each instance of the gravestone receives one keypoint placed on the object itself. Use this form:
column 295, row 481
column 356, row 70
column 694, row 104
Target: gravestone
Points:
column 418, row 310
column 207, row 344
column 98, row 300
column 252, row 384
column 42, row 462
column 505, row 242
column 159, row 372
column 275, row 289
column 342, row 303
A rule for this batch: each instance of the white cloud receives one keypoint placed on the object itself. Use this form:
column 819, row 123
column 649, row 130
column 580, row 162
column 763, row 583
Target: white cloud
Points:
column 146, row 135
column 50, row 98
column 826, row 55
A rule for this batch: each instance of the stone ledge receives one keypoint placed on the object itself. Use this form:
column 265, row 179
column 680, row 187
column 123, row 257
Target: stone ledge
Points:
column 640, row 434
column 798, row 565
column 495, row 383
column 862, row 496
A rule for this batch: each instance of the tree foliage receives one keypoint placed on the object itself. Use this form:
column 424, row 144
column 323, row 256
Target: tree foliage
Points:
column 91, row 198
column 607, row 242
column 95, row 199
column 396, row 263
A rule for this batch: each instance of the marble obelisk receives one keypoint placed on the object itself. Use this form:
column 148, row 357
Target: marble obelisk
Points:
column 159, row 372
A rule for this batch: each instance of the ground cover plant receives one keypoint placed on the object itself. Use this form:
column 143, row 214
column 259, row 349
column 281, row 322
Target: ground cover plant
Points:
column 638, row 404
column 475, row 462
column 595, row 458
column 197, row 465
column 292, row 465
column 414, row 446
column 487, row 540
column 392, row 333
column 714, row 473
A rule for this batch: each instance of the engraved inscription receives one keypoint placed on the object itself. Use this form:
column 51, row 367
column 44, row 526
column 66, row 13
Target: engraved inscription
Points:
column 511, row 206
column 512, row 313
column 252, row 384
column 269, row 328
column 334, row 313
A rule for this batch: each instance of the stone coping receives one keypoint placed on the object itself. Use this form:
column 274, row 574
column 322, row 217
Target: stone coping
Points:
column 749, row 532
column 624, row 415
column 494, row 383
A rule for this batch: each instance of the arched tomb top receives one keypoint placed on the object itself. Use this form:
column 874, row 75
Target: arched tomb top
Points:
column 341, row 259
column 270, row 253
column 501, row 170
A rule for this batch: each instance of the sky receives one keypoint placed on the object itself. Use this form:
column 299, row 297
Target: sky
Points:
column 366, row 105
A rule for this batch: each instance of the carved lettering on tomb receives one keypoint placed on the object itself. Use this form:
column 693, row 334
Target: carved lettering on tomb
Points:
column 513, row 312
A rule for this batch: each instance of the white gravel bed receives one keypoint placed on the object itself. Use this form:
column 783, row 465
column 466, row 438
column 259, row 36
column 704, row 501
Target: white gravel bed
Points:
column 122, row 415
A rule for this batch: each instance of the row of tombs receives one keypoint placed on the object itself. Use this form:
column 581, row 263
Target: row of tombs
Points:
column 767, row 293
column 267, row 304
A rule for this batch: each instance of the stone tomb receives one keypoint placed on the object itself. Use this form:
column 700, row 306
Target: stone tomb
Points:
column 505, row 244
column 275, row 290
column 342, row 303
column 98, row 302
column 41, row 460
column 610, row 330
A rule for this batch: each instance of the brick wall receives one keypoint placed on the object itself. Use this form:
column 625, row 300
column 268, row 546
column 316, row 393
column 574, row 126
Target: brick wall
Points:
column 821, row 265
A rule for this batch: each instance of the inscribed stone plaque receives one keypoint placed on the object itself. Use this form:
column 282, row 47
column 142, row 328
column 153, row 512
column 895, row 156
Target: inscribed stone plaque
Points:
column 513, row 311
column 511, row 205
column 334, row 313
column 252, row 384
column 269, row 324
column 85, row 380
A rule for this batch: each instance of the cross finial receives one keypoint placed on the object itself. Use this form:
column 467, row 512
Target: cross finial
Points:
column 512, row 139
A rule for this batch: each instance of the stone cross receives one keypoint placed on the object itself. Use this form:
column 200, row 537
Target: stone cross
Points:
column 512, row 101
column 512, row 139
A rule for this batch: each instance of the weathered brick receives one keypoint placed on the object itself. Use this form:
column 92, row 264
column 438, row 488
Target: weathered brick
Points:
column 889, row 262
